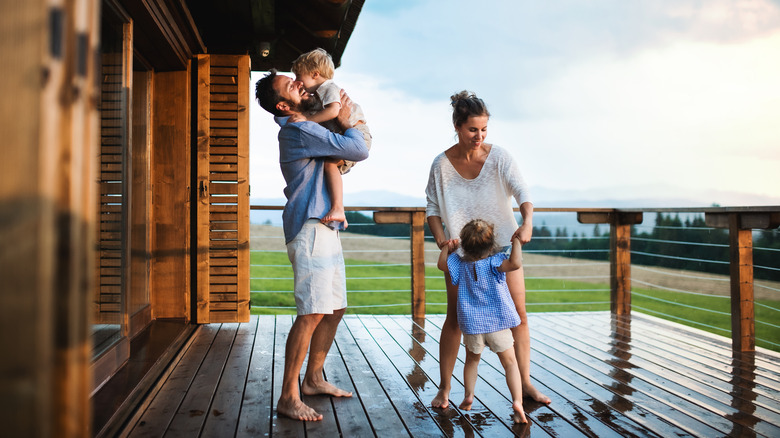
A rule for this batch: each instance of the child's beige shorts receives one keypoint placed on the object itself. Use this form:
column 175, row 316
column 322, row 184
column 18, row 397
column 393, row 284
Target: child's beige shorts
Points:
column 496, row 341
column 318, row 269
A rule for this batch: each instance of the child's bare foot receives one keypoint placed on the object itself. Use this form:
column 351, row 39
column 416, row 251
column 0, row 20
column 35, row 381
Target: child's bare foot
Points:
column 519, row 415
column 531, row 391
column 323, row 388
column 466, row 403
column 442, row 399
column 297, row 410
column 336, row 214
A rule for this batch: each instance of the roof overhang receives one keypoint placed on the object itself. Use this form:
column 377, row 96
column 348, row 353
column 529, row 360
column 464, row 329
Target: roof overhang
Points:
column 275, row 32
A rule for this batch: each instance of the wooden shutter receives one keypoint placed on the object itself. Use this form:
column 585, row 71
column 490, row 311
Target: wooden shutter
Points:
column 222, row 188
column 112, row 205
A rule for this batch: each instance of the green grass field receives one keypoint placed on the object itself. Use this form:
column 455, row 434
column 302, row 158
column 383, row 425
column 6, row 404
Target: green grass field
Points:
column 375, row 288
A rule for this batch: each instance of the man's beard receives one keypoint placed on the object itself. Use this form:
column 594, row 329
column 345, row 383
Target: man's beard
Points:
column 307, row 105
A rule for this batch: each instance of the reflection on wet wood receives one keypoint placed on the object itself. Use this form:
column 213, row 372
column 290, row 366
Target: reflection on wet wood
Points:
column 608, row 376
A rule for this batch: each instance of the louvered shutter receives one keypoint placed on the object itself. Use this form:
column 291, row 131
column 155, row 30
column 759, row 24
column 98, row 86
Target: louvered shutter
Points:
column 112, row 205
column 222, row 188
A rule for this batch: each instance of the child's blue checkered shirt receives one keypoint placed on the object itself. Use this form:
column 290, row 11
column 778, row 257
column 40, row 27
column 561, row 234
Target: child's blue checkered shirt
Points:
column 484, row 302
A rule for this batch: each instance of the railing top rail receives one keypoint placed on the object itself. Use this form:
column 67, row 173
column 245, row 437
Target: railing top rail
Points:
column 745, row 209
column 281, row 207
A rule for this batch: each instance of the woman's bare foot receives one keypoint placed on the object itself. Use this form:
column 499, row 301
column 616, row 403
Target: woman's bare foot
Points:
column 466, row 403
column 297, row 410
column 519, row 415
column 323, row 388
column 531, row 391
column 336, row 214
column 442, row 399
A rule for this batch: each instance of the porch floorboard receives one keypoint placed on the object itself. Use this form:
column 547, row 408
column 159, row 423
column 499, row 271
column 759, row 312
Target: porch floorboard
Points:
column 607, row 377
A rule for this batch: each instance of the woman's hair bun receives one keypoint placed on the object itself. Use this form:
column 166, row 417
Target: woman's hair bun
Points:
column 466, row 104
column 455, row 98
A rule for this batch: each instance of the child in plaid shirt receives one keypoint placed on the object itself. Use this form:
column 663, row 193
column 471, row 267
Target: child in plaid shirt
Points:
column 486, row 313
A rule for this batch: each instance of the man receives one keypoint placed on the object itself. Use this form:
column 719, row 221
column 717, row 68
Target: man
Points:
column 318, row 263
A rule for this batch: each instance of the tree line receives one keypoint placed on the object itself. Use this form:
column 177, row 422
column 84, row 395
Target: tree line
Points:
column 673, row 242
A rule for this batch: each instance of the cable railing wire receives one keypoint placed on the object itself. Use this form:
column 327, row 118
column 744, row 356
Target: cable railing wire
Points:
column 687, row 321
column 679, row 242
column 689, row 259
column 677, row 274
column 671, row 289
column 665, row 259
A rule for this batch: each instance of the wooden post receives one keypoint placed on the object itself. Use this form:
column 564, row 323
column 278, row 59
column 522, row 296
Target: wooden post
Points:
column 620, row 266
column 619, row 253
column 417, row 221
column 418, row 264
column 741, row 225
column 743, row 321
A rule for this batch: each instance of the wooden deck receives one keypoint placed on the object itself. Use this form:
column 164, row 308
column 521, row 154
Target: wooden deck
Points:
column 634, row 377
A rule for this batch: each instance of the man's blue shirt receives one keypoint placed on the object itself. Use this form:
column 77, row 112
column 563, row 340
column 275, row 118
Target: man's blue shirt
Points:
column 303, row 148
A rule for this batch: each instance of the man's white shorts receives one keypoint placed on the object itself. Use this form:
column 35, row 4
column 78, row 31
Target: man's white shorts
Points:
column 318, row 269
column 497, row 341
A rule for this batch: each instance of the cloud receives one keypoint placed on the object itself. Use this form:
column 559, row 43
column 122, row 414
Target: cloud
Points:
column 585, row 95
column 437, row 47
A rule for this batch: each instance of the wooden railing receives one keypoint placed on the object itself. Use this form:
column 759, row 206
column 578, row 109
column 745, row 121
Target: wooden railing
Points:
column 739, row 221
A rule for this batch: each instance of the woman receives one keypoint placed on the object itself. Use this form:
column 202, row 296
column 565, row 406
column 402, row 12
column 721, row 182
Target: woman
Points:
column 476, row 180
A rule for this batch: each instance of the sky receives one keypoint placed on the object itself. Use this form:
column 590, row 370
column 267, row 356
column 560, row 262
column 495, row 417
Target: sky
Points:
column 673, row 100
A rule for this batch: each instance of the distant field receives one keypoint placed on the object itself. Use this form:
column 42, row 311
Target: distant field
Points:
column 383, row 288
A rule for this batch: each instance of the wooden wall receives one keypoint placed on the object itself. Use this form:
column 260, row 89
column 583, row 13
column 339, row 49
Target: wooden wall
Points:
column 170, row 276
column 47, row 192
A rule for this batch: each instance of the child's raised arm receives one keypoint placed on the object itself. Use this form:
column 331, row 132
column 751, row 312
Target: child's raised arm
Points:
column 447, row 247
column 445, row 252
column 515, row 260
column 329, row 112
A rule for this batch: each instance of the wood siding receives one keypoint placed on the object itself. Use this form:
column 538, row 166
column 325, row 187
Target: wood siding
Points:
column 47, row 211
column 222, row 188
column 171, row 149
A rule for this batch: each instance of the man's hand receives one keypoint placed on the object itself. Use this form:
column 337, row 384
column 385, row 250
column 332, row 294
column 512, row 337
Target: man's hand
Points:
column 345, row 112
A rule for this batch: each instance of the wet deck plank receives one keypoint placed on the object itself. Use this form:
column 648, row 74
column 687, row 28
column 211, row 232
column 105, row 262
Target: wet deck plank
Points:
column 607, row 377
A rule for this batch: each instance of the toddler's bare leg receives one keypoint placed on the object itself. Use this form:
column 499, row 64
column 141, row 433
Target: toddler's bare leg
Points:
column 469, row 379
column 336, row 189
column 514, row 382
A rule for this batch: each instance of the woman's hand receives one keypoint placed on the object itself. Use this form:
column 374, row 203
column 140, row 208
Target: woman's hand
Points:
column 451, row 245
column 523, row 234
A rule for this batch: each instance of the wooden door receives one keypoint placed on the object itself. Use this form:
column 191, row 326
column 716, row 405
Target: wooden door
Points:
column 221, row 99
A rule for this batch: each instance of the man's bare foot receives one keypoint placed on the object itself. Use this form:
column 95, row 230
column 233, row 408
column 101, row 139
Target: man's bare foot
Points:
column 323, row 388
column 336, row 214
column 442, row 399
column 519, row 415
column 297, row 410
column 531, row 392
column 466, row 403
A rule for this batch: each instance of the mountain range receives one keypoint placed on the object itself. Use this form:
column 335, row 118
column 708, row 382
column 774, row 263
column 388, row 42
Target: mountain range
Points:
column 659, row 196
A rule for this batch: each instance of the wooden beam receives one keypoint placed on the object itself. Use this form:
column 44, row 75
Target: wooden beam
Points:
column 620, row 262
column 587, row 217
column 748, row 220
column 201, row 94
column 418, row 264
column 743, row 323
column 417, row 221
column 393, row 217
column 244, row 74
